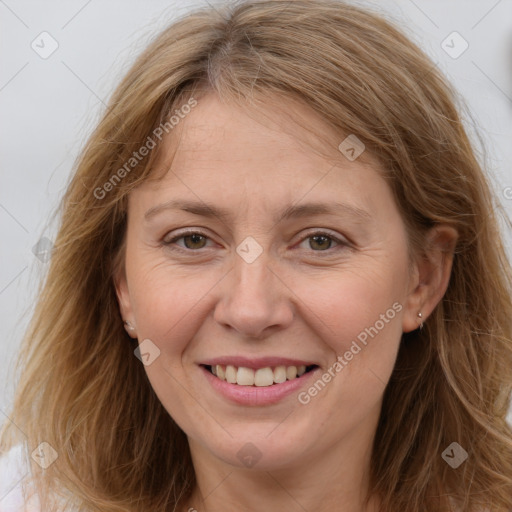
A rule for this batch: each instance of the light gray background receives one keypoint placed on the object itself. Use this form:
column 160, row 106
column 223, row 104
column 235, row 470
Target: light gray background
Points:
column 49, row 106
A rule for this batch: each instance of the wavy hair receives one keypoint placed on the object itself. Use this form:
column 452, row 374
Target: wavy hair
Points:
column 82, row 390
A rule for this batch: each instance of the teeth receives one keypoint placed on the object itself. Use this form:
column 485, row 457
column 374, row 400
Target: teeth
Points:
column 231, row 373
column 261, row 377
column 291, row 372
column 245, row 377
column 280, row 374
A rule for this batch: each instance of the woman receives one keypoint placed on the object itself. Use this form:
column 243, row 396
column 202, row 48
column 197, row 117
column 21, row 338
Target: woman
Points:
column 279, row 283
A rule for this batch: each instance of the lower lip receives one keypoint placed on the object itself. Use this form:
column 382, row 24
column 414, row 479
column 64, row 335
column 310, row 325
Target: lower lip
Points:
column 257, row 395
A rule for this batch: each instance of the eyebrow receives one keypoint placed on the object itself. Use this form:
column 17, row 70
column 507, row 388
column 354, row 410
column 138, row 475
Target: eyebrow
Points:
column 293, row 211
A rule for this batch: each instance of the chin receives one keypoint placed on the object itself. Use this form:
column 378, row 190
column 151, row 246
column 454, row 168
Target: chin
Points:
column 262, row 447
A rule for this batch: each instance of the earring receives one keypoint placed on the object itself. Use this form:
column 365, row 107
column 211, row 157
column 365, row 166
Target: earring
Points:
column 128, row 325
column 421, row 323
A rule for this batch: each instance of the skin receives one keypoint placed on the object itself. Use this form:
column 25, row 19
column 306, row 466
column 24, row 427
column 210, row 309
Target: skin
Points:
column 304, row 298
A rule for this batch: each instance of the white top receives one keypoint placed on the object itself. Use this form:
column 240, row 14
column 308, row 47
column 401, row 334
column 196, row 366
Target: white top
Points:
column 14, row 468
column 16, row 491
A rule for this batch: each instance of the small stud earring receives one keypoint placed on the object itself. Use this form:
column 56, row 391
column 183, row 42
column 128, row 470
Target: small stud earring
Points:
column 421, row 323
column 128, row 325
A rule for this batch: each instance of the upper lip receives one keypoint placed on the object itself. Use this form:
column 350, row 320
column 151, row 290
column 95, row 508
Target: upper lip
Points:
column 255, row 363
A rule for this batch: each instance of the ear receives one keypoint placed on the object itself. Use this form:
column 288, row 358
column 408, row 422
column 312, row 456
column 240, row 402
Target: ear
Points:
column 430, row 276
column 123, row 299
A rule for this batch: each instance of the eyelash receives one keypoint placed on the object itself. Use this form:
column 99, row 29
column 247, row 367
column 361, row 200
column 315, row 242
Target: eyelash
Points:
column 169, row 243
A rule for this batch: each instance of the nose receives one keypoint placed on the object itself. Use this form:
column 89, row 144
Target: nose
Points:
column 255, row 300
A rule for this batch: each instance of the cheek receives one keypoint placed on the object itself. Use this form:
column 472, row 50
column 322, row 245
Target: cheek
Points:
column 169, row 302
column 349, row 302
column 360, row 321
column 358, row 312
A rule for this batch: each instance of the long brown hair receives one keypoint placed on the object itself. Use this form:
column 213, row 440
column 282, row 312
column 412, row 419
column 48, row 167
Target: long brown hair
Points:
column 82, row 390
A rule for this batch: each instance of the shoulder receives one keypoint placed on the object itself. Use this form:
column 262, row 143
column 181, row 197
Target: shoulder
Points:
column 14, row 470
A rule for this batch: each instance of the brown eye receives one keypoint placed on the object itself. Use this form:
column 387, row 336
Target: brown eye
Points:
column 196, row 241
column 322, row 242
column 192, row 241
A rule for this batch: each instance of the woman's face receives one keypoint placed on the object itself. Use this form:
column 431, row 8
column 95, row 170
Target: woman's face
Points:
column 300, row 260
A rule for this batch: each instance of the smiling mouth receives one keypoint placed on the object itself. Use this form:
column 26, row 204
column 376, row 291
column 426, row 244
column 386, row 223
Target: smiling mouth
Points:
column 262, row 377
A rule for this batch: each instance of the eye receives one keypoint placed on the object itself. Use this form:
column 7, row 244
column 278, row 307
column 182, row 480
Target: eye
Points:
column 192, row 240
column 321, row 241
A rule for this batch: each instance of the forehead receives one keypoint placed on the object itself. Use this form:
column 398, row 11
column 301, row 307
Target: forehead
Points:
column 280, row 152
column 282, row 123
